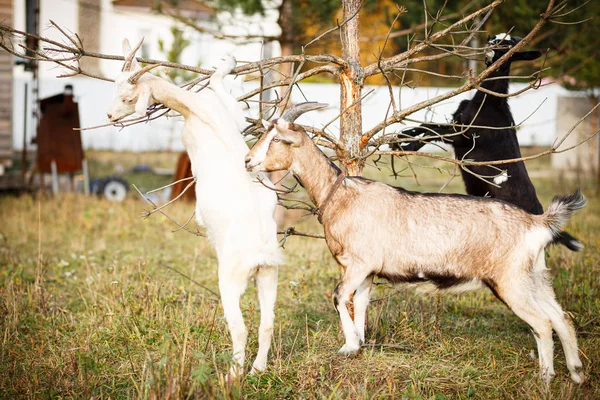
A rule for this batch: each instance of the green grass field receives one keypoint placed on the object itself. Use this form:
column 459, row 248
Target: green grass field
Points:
column 98, row 303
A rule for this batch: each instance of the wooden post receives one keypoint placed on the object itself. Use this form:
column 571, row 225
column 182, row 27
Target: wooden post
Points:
column 25, row 116
column 86, row 177
column 54, row 177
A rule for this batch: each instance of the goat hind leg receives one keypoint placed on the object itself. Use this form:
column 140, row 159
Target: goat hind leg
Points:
column 561, row 323
column 266, row 282
column 232, row 287
column 521, row 301
column 230, row 103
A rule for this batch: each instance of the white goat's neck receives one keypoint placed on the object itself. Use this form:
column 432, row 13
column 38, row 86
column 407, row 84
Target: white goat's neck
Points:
column 170, row 95
column 315, row 172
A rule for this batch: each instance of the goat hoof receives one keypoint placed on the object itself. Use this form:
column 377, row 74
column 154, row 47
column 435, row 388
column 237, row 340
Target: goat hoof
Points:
column 577, row 377
column 547, row 376
column 257, row 369
column 348, row 350
column 234, row 375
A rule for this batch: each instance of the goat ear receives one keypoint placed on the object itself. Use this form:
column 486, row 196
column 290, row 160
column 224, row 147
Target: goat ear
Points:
column 527, row 55
column 126, row 48
column 265, row 124
column 292, row 138
column 135, row 66
column 141, row 106
column 131, row 63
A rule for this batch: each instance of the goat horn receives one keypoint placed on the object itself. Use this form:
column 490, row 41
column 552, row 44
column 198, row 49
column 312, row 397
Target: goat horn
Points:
column 127, row 65
column 134, row 78
column 294, row 112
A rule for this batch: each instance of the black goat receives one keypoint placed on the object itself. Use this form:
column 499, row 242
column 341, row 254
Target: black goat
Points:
column 492, row 137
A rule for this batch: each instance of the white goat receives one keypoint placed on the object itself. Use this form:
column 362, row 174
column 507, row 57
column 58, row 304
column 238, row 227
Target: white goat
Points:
column 236, row 210
column 448, row 241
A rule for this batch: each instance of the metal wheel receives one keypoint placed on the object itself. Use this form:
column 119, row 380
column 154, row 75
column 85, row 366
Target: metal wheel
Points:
column 114, row 189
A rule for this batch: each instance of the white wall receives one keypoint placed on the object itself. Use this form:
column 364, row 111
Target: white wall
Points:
column 94, row 97
column 584, row 158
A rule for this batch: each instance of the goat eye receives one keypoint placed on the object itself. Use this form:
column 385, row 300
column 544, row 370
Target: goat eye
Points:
column 129, row 101
column 276, row 139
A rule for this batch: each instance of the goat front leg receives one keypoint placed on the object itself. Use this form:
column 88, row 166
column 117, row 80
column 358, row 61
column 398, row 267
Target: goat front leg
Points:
column 361, row 302
column 266, row 282
column 341, row 297
column 232, row 286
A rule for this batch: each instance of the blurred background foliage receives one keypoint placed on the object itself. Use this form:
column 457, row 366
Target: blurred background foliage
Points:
column 572, row 48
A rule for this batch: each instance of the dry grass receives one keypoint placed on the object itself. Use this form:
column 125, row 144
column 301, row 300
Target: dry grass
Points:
column 88, row 308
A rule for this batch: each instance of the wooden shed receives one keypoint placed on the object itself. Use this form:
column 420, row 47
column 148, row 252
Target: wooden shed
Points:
column 56, row 140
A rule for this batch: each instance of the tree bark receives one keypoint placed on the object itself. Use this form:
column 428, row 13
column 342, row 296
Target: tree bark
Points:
column 595, row 142
column 351, row 82
column 90, row 19
column 287, row 49
column 287, row 39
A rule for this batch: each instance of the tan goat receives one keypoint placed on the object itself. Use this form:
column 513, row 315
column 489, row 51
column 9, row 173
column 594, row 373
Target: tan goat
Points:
column 450, row 242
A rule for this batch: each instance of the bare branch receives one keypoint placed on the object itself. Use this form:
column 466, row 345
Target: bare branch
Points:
column 292, row 231
column 470, row 84
column 335, row 28
column 554, row 149
column 159, row 209
column 392, row 61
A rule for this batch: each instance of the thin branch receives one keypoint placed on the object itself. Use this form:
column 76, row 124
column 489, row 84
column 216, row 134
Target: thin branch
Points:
column 170, row 184
column 193, row 281
column 335, row 28
column 557, row 143
column 554, row 149
column 156, row 208
column 421, row 26
column 291, row 231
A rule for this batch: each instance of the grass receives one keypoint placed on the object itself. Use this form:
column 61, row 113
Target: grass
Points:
column 90, row 306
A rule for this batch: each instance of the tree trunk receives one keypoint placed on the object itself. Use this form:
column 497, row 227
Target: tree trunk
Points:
column 90, row 19
column 286, row 41
column 351, row 82
column 595, row 142
column 287, row 49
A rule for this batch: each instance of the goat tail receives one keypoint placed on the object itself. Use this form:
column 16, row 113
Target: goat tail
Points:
column 560, row 210
column 567, row 240
column 224, row 68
